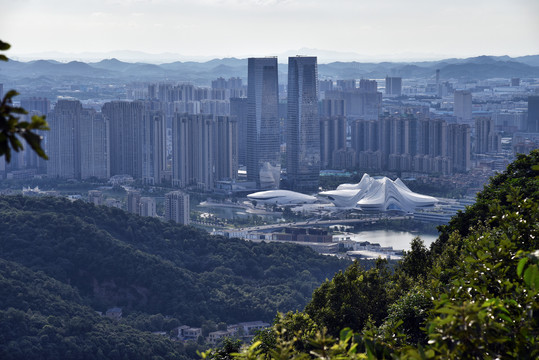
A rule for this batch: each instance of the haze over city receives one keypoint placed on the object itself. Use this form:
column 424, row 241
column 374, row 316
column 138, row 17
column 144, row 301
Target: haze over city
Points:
column 261, row 179
column 344, row 30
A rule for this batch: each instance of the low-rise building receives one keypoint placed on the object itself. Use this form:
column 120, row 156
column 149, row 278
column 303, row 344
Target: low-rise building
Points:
column 114, row 313
column 188, row 333
column 215, row 336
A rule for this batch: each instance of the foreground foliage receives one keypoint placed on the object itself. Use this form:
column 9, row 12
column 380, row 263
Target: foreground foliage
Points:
column 11, row 129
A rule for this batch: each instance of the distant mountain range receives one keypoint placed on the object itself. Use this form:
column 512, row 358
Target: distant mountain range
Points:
column 201, row 73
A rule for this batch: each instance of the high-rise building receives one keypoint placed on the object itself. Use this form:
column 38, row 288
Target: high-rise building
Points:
column 133, row 201
column 137, row 138
column 462, row 107
column 94, row 145
column 368, row 85
column 348, row 84
column 225, row 139
column 263, row 145
column 153, row 144
column 459, row 147
column 358, row 103
column 365, row 135
column 219, row 83
column 177, row 207
column 203, row 150
column 36, row 106
column 63, row 145
column 303, row 125
column 31, row 160
column 192, row 150
column 532, row 125
column 78, row 143
column 411, row 143
column 333, row 107
column 439, row 88
column 238, row 111
column 43, row 105
column 332, row 138
column 125, row 119
column 393, row 86
column 487, row 140
column 323, row 86
column 147, row 207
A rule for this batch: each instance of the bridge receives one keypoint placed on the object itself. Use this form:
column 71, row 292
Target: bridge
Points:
column 324, row 223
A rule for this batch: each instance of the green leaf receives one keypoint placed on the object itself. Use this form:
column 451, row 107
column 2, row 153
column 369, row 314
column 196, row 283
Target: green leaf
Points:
column 531, row 277
column 10, row 94
column 4, row 46
column 521, row 265
column 505, row 317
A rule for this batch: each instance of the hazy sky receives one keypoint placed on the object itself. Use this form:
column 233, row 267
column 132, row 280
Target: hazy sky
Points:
column 375, row 29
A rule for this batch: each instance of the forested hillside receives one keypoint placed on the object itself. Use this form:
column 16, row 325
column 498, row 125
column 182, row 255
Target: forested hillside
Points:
column 41, row 318
column 473, row 295
column 103, row 257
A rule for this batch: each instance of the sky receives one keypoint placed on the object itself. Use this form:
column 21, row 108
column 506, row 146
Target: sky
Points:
column 361, row 30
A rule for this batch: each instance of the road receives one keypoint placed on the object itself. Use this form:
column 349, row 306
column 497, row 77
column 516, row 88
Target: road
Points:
column 326, row 222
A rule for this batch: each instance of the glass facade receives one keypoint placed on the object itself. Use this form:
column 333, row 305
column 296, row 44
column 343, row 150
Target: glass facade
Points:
column 263, row 145
column 303, row 126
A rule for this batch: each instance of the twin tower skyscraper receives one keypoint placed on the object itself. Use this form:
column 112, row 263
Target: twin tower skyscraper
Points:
column 302, row 130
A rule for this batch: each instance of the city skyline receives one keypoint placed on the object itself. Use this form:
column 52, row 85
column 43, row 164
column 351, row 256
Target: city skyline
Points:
column 342, row 30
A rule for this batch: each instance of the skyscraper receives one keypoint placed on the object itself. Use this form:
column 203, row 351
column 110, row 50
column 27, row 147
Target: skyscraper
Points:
column 487, row 140
column 303, row 125
column 238, row 111
column 393, row 86
column 137, row 139
column 462, row 107
column 203, row 150
column 36, row 106
column 94, row 145
column 532, row 125
column 153, row 143
column 225, row 139
column 125, row 119
column 459, row 146
column 63, row 145
column 332, row 138
column 192, row 150
column 333, row 107
column 263, row 145
column 42, row 105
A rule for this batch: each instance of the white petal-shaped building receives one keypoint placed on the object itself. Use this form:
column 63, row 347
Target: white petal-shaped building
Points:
column 281, row 197
column 378, row 194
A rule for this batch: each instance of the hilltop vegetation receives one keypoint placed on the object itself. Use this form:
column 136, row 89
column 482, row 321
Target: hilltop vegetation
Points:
column 41, row 318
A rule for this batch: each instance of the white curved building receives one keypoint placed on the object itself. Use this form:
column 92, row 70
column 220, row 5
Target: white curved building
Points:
column 378, row 194
column 281, row 197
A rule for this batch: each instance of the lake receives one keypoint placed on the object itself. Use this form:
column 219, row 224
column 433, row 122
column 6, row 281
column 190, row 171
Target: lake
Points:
column 399, row 240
